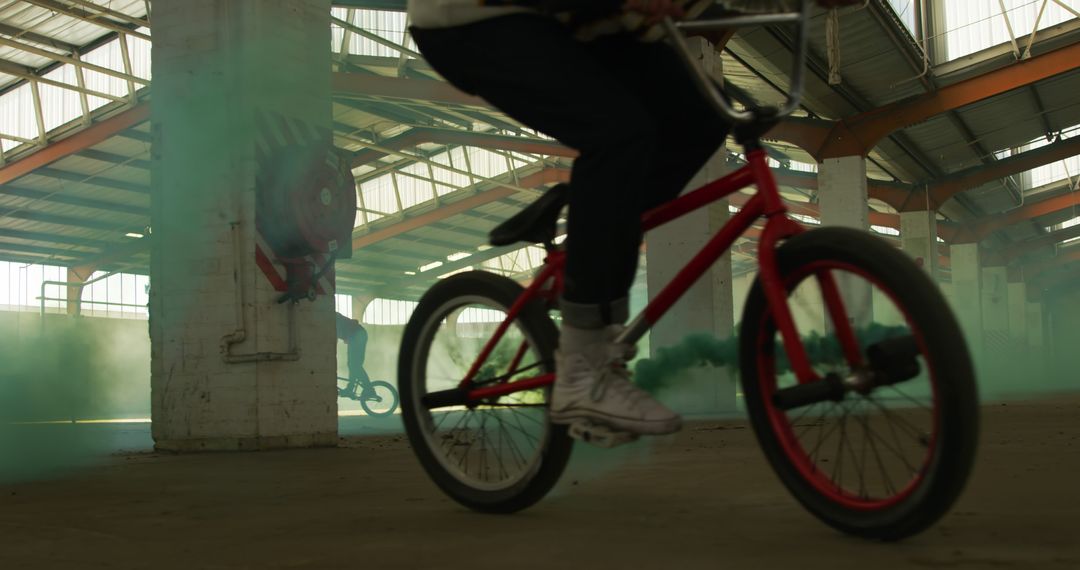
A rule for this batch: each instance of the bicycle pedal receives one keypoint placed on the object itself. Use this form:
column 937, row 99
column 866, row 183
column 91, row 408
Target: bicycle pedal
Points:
column 600, row 435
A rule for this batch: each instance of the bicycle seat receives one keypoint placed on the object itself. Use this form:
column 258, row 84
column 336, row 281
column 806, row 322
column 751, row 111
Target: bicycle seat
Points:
column 536, row 223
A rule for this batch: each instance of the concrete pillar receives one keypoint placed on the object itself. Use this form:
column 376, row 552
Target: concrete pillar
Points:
column 967, row 292
column 707, row 306
column 1036, row 330
column 918, row 238
column 223, row 69
column 1018, row 315
column 359, row 306
column 995, row 316
column 74, row 293
column 842, row 194
column 843, row 201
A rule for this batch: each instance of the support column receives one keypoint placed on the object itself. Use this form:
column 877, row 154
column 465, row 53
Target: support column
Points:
column 359, row 306
column 1038, row 355
column 707, row 306
column 842, row 194
column 843, row 201
column 918, row 238
column 223, row 69
column 967, row 293
column 995, row 317
column 1018, row 334
column 74, row 293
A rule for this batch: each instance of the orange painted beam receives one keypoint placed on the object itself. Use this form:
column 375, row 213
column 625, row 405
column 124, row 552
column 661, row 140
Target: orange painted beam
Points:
column 355, row 84
column 865, row 130
column 854, row 136
column 1046, row 281
column 941, row 191
column 79, row 141
column 1044, row 241
column 422, row 135
column 1034, row 269
column 978, row 232
column 549, row 175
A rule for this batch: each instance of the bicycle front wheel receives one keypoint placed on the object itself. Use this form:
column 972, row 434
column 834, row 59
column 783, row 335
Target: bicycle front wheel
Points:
column 502, row 454
column 889, row 449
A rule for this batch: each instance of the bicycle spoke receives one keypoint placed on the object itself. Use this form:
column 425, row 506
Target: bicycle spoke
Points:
column 877, row 457
column 911, row 429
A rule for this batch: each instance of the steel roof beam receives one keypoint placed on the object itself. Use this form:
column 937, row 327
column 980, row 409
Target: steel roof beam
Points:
column 82, row 140
column 117, row 159
column 941, row 191
column 982, row 230
column 55, row 238
column 92, row 180
column 858, row 135
column 1044, row 241
column 69, row 200
column 1063, row 258
column 40, row 250
column 12, row 31
column 546, row 176
column 45, row 218
column 89, row 17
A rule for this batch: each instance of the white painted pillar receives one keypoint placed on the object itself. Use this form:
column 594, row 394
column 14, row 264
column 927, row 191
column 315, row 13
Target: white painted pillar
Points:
column 842, row 194
column 995, row 315
column 843, row 201
column 967, row 292
column 217, row 65
column 707, row 306
column 1035, row 327
column 918, row 238
column 1036, row 330
column 359, row 306
column 1018, row 315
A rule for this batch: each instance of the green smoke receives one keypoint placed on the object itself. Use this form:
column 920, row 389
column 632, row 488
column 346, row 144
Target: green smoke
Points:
column 699, row 349
column 73, row 369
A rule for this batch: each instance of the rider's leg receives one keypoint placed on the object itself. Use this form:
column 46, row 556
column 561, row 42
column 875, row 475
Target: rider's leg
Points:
column 535, row 71
column 691, row 132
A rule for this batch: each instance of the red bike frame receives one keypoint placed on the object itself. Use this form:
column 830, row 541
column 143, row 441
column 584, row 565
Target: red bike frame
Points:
column 766, row 203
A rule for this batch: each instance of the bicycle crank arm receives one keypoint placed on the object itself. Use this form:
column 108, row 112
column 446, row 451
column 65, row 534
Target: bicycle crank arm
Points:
column 462, row 396
column 445, row 398
column 830, row 387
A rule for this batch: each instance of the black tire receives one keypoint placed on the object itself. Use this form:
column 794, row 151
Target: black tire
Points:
column 387, row 392
column 947, row 462
column 554, row 445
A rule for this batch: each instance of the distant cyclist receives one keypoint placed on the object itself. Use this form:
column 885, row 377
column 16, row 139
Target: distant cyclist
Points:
column 356, row 338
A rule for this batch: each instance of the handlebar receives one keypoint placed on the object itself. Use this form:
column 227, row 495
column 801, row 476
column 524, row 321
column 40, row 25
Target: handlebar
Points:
column 709, row 88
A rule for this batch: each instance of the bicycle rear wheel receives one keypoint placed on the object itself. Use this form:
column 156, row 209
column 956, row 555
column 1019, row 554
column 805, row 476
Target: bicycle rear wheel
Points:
column 379, row 399
column 501, row 455
column 888, row 459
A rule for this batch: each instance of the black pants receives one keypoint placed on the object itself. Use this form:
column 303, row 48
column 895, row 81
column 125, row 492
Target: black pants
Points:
column 641, row 126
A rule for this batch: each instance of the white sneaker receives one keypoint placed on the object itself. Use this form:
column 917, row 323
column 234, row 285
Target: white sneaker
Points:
column 592, row 384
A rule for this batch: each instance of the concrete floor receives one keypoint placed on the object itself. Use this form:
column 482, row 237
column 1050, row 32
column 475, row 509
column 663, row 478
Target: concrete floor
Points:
column 701, row 499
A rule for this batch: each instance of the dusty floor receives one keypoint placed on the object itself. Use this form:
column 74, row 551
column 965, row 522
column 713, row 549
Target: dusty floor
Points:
column 701, row 499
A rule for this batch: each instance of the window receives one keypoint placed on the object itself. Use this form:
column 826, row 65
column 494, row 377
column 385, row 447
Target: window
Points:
column 343, row 304
column 1039, row 177
column 120, row 295
column 974, row 25
column 388, row 312
column 21, row 286
column 906, row 11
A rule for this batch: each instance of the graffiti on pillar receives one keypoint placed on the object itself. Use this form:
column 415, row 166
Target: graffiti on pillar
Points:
column 305, row 205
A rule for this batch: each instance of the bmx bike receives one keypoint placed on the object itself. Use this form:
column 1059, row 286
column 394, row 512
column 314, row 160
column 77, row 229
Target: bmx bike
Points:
column 855, row 375
column 376, row 397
